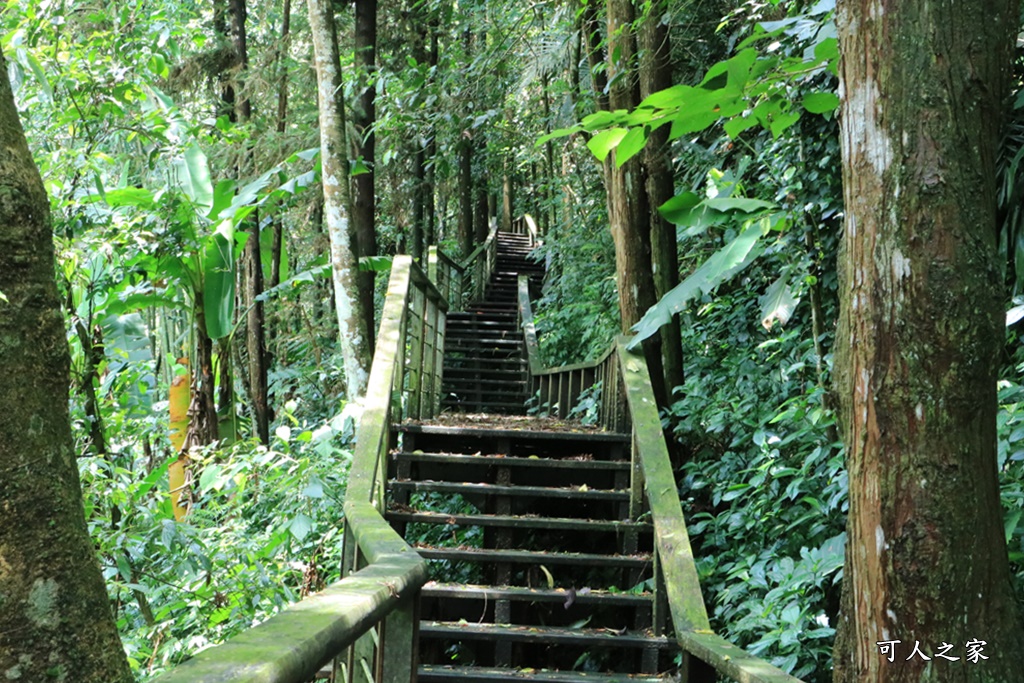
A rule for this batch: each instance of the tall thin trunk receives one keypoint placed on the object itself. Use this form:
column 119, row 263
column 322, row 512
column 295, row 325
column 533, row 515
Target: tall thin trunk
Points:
column 363, row 119
column 252, row 265
column 595, row 55
column 277, row 243
column 355, row 348
column 655, row 75
column 918, row 343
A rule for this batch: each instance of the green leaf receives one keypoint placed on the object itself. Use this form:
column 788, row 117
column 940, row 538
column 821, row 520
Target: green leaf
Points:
column 783, row 121
column 821, row 102
column 560, row 133
column 300, row 526
column 192, row 174
column 359, row 167
column 722, row 265
column 737, row 124
column 374, row 264
column 37, row 71
column 778, row 303
column 124, row 568
column 223, row 195
column 630, row 145
column 604, row 142
column 218, row 264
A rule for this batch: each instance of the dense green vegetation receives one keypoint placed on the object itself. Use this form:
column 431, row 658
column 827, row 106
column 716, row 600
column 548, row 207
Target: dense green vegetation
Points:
column 156, row 182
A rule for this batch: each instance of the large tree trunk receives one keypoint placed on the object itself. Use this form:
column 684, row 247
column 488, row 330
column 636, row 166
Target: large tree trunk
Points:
column 364, row 117
column 627, row 198
column 656, row 75
column 354, row 338
column 921, row 324
column 55, row 617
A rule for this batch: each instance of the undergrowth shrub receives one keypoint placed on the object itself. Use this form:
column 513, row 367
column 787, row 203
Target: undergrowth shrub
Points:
column 264, row 530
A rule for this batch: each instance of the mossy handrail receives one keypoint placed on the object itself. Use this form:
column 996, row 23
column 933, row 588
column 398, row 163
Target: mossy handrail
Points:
column 631, row 402
column 347, row 622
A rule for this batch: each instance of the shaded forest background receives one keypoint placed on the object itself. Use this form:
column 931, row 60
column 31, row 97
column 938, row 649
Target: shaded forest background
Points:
column 181, row 159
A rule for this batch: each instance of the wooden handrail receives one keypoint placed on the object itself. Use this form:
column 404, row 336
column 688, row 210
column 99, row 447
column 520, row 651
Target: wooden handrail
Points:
column 623, row 377
column 383, row 574
column 479, row 266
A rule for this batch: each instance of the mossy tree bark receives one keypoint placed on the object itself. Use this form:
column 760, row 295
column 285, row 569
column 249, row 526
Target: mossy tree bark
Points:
column 921, row 323
column 355, row 349
column 628, row 208
column 55, row 617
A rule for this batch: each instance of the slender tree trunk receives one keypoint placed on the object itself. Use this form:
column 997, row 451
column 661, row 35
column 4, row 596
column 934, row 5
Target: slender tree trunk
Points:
column 921, row 326
column 466, row 193
column 506, row 199
column 595, row 55
column 655, row 75
column 364, row 117
column 277, row 243
column 628, row 211
column 355, row 348
column 55, row 618
column 430, row 172
column 252, row 264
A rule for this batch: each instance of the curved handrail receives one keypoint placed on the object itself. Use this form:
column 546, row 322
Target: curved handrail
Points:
column 628, row 371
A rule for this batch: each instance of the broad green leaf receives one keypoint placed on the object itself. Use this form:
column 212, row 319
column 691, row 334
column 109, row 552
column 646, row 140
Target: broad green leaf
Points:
column 778, row 303
column 359, row 167
column 667, row 98
column 722, row 265
column 374, row 264
column 560, row 133
column 744, row 204
column 128, row 196
column 820, row 102
column 630, row 145
column 737, row 124
column 604, row 142
column 783, row 121
column 218, row 264
column 600, row 119
column 223, row 195
column 193, row 178
column 692, row 120
column 300, row 526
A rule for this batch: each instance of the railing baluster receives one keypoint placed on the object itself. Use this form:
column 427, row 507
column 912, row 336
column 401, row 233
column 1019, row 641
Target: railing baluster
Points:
column 398, row 656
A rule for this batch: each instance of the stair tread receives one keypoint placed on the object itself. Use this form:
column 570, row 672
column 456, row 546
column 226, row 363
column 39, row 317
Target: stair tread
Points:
column 554, row 433
column 440, row 672
column 546, row 634
column 521, row 521
column 515, row 461
column 581, row 596
column 532, row 557
column 568, row 492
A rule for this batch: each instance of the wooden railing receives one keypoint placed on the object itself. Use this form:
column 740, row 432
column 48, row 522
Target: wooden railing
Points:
column 366, row 623
column 618, row 386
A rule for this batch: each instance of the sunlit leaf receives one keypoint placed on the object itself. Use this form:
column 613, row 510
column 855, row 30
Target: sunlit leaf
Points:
column 630, row 145
column 604, row 142
column 820, row 102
